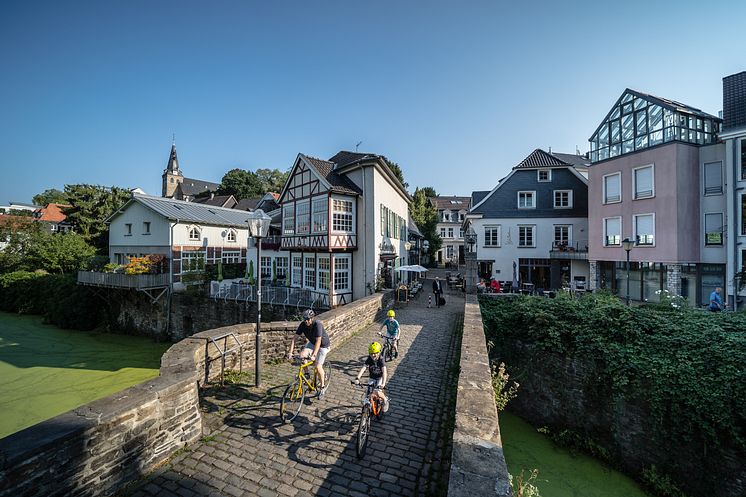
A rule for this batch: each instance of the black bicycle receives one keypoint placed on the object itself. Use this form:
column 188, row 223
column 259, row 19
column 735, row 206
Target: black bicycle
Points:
column 388, row 347
column 372, row 407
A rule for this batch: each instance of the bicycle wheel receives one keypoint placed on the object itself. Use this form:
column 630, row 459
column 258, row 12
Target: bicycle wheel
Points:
column 292, row 401
column 362, row 431
column 388, row 354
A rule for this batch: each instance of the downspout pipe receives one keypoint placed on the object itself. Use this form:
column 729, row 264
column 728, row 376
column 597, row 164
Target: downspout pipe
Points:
column 170, row 275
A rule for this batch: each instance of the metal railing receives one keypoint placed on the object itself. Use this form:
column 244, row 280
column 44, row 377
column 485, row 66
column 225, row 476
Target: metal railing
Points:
column 118, row 280
column 224, row 351
column 273, row 295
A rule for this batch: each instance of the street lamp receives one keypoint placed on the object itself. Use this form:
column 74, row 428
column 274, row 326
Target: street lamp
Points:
column 425, row 247
column 470, row 238
column 627, row 244
column 258, row 229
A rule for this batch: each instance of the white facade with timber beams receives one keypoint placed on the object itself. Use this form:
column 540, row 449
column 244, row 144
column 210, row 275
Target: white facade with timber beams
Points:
column 343, row 224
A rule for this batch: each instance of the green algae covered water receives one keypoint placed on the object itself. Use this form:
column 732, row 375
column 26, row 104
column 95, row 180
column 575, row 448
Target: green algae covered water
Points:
column 561, row 474
column 46, row 371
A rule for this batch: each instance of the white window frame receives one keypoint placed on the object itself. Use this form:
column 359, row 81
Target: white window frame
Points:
column 722, row 235
column 296, row 275
column 605, row 199
column 487, row 239
column 342, row 273
column 635, row 196
column 569, row 199
column 718, row 190
column 282, row 264
column 549, row 175
column 323, row 267
column 634, row 229
column 231, row 237
column 301, row 228
column 186, row 258
column 528, row 193
column 606, row 234
column 319, row 215
column 192, row 237
column 442, row 232
column 568, row 242
column 449, row 252
column 532, row 227
column 230, row 256
column 450, row 232
column 288, row 219
column 309, row 271
column 341, row 218
column 265, row 267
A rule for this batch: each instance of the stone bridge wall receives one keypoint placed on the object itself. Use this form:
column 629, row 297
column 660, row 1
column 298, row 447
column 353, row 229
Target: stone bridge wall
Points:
column 478, row 464
column 97, row 448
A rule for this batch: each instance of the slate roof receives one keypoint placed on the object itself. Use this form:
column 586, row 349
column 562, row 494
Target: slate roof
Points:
column 447, row 202
column 218, row 200
column 247, row 204
column 190, row 211
column 173, row 161
column 412, row 228
column 339, row 183
column 539, row 158
column 477, row 197
column 574, row 159
column 194, row 186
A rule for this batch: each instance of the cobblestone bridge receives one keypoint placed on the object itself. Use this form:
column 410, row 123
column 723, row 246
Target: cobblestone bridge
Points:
column 250, row 452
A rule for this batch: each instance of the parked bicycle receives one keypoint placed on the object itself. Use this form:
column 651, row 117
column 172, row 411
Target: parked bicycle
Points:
column 372, row 407
column 388, row 347
column 296, row 391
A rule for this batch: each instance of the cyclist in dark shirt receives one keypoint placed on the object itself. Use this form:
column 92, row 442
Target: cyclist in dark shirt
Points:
column 317, row 347
column 376, row 372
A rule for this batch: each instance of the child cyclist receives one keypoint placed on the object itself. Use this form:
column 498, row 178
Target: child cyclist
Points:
column 376, row 372
column 392, row 330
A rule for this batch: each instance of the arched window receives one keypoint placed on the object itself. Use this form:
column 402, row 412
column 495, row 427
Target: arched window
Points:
column 194, row 234
column 231, row 236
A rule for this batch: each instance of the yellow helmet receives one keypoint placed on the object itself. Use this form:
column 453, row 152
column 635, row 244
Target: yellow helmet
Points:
column 391, row 313
column 374, row 348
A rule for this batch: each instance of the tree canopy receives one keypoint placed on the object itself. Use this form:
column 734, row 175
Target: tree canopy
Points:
column 50, row 196
column 30, row 246
column 248, row 184
column 90, row 206
column 397, row 172
column 425, row 217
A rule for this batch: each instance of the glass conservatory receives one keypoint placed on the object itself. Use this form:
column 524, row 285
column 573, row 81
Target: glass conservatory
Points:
column 638, row 121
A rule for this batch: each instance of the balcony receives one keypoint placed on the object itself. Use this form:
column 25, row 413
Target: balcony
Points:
column 577, row 251
column 127, row 281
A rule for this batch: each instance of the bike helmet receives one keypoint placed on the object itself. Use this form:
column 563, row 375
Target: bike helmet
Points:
column 308, row 314
column 391, row 313
column 374, row 348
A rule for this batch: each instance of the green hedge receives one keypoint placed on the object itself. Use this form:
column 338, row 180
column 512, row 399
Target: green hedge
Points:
column 57, row 297
column 687, row 365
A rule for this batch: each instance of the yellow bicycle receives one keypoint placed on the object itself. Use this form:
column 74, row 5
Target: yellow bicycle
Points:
column 295, row 393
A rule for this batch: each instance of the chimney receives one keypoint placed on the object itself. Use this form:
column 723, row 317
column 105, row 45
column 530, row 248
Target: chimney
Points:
column 734, row 101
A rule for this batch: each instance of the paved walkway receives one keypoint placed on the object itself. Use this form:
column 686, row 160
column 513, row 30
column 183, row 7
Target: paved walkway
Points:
column 249, row 452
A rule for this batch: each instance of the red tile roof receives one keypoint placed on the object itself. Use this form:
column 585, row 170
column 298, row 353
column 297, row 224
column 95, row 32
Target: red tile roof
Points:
column 52, row 213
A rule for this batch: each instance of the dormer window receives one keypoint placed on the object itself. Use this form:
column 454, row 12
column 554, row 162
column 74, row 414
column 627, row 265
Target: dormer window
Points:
column 526, row 200
column 194, row 234
column 544, row 175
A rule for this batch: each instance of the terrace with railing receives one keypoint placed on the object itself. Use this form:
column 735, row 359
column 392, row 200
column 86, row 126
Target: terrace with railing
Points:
column 119, row 280
column 273, row 295
column 577, row 250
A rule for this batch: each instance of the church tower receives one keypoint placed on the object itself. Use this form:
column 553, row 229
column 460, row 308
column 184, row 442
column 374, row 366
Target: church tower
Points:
column 172, row 175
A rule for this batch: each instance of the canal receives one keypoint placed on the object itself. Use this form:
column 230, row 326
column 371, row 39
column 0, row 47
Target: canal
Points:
column 561, row 473
column 47, row 371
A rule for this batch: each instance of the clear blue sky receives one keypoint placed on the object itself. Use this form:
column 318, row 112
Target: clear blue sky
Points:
column 455, row 92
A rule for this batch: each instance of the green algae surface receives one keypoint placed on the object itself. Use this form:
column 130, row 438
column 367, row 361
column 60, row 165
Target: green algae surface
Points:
column 46, row 371
column 561, row 473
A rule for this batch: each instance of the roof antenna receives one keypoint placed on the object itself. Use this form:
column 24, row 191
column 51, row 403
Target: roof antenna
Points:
column 357, row 145
column 550, row 149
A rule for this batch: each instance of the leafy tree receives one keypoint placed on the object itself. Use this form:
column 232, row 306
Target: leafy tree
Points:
column 58, row 252
column 20, row 212
column 272, row 180
column 429, row 191
column 17, row 233
column 425, row 217
column 50, row 196
column 397, row 172
column 241, row 184
column 90, row 206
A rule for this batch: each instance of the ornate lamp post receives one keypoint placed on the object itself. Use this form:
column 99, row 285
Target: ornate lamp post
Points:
column 470, row 237
column 627, row 244
column 258, row 229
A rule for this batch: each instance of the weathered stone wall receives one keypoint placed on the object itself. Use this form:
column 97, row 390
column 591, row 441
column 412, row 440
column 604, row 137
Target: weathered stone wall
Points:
column 564, row 393
column 97, row 448
column 477, row 465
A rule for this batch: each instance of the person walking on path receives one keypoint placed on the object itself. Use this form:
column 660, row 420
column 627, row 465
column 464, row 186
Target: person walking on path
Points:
column 437, row 290
column 716, row 303
column 317, row 347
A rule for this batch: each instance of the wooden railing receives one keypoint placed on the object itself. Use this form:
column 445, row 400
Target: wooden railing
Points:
column 118, row 280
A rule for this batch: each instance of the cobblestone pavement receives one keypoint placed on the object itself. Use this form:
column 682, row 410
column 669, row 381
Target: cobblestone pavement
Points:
column 250, row 452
